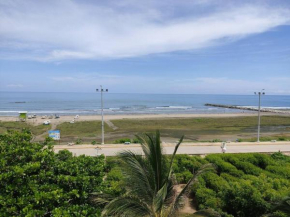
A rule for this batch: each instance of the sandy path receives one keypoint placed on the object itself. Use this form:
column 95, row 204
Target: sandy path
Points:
column 110, row 124
column 63, row 119
column 53, row 126
column 188, row 207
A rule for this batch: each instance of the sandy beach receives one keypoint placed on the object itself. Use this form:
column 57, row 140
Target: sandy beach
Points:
column 38, row 120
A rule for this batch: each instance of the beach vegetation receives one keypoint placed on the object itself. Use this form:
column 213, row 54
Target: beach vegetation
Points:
column 82, row 129
column 79, row 141
column 149, row 182
column 18, row 126
column 123, row 140
column 35, row 181
column 244, row 185
column 215, row 129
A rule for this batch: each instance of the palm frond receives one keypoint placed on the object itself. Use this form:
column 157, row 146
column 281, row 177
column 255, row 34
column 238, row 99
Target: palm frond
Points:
column 160, row 198
column 135, row 171
column 173, row 156
column 150, row 189
column 151, row 146
column 127, row 206
column 101, row 198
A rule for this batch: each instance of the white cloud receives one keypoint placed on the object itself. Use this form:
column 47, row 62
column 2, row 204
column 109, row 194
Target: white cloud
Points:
column 64, row 29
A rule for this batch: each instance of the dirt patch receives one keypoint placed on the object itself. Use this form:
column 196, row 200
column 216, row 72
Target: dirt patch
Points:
column 189, row 202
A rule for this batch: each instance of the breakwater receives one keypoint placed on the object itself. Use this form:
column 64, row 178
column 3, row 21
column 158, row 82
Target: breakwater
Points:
column 248, row 108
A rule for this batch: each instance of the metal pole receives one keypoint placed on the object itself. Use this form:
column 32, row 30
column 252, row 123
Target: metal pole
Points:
column 103, row 139
column 259, row 117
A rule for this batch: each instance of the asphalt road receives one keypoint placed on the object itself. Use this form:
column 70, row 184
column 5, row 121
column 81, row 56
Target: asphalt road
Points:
column 186, row 148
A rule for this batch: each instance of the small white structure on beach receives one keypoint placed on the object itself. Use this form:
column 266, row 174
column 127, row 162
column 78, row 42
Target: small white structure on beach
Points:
column 47, row 122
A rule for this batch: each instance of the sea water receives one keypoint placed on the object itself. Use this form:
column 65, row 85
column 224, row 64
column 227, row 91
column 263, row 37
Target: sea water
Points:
column 121, row 103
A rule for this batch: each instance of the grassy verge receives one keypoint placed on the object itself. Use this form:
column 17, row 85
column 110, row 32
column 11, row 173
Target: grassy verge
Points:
column 207, row 129
column 36, row 130
column 82, row 129
column 197, row 124
column 194, row 129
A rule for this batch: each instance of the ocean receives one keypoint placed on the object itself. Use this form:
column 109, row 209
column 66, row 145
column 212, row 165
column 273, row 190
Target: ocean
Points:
column 116, row 103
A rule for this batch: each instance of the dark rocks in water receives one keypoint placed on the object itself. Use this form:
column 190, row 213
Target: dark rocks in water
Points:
column 248, row 108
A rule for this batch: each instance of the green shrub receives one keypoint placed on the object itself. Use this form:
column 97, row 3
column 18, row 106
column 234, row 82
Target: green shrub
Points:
column 245, row 185
column 135, row 141
column 35, row 181
column 282, row 139
column 183, row 177
column 123, row 140
column 216, row 140
column 215, row 182
column 224, row 166
column 244, row 200
column 283, row 172
column 280, row 156
column 79, row 141
column 202, row 195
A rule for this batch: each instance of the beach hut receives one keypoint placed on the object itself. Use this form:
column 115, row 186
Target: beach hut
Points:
column 22, row 115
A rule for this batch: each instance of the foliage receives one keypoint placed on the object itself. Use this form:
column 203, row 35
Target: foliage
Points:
column 82, row 129
column 149, row 182
column 216, row 140
column 113, row 184
column 79, row 141
column 123, row 140
column 34, row 181
column 245, row 185
column 18, row 126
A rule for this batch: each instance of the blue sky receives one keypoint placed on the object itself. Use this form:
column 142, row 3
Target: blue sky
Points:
column 129, row 46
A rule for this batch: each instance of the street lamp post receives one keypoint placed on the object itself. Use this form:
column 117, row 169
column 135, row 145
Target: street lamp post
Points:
column 259, row 111
column 102, row 111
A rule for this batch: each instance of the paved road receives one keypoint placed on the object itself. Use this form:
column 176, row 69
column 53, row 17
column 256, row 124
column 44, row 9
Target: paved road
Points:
column 186, row 148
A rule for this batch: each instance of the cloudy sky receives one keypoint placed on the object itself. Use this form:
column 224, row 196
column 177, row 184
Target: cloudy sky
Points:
column 133, row 46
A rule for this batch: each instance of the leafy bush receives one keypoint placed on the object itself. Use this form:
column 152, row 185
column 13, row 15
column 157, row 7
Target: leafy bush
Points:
column 280, row 156
column 245, row 185
column 123, row 140
column 34, row 181
column 79, row 141
column 216, row 140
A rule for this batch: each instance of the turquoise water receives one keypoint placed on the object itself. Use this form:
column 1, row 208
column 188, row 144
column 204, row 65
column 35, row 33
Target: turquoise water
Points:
column 89, row 103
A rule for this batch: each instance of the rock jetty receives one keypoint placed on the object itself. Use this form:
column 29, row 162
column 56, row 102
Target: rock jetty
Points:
column 248, row 108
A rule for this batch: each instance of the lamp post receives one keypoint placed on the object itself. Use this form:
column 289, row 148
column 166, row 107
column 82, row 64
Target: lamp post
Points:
column 102, row 111
column 259, row 110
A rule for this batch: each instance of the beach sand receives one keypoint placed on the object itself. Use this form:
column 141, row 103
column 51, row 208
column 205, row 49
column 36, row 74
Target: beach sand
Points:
column 38, row 120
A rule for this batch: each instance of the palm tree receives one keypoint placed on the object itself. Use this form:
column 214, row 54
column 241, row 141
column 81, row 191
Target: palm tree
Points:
column 149, row 182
